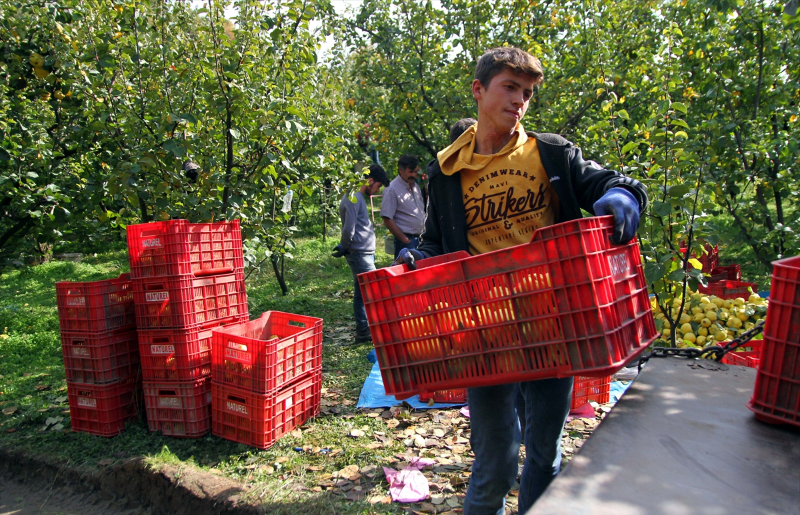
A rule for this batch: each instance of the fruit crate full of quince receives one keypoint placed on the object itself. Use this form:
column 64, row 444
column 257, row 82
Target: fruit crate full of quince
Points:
column 568, row 303
column 709, row 320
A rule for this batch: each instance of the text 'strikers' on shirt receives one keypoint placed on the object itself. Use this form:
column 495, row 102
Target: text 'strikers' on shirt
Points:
column 507, row 200
column 507, row 195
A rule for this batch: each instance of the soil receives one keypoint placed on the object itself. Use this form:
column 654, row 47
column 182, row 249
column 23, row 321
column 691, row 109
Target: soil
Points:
column 33, row 498
column 31, row 484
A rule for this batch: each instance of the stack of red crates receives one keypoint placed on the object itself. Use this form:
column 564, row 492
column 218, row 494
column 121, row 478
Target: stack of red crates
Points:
column 188, row 278
column 101, row 354
column 267, row 377
column 776, row 395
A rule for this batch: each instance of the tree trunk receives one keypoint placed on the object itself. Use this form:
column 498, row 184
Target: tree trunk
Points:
column 279, row 275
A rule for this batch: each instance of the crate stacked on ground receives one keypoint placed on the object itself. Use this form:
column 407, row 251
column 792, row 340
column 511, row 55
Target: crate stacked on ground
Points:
column 188, row 278
column 590, row 389
column 266, row 377
column 101, row 353
column 709, row 256
column 568, row 303
column 776, row 395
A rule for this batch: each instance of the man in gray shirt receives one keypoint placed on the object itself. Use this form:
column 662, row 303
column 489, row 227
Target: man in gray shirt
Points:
column 402, row 206
column 357, row 243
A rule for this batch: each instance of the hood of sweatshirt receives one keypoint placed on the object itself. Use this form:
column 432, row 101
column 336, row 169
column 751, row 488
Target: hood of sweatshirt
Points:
column 461, row 154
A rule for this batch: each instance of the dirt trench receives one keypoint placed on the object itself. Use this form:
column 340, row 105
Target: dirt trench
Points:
column 33, row 484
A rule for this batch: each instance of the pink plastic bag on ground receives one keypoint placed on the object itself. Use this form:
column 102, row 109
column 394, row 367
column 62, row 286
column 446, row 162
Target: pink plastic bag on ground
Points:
column 409, row 484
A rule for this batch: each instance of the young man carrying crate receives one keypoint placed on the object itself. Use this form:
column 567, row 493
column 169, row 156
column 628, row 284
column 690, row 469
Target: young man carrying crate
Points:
column 490, row 190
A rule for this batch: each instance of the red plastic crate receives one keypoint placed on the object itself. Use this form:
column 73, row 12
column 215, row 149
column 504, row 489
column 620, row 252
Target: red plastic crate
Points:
column 268, row 352
column 96, row 306
column 177, row 247
column 729, row 289
column 745, row 358
column 179, row 409
column 260, row 419
column 709, row 257
column 185, row 301
column 776, row 397
column 176, row 354
column 100, row 358
column 587, row 389
column 103, row 410
column 568, row 303
column 726, row 273
column 457, row 396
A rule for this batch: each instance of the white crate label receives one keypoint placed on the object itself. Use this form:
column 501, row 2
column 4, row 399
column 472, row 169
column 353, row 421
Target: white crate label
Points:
column 81, row 351
column 152, row 243
column 619, row 265
column 289, row 403
column 76, row 301
column 237, row 355
column 89, row 403
column 169, row 402
column 238, row 408
column 162, row 349
column 156, row 296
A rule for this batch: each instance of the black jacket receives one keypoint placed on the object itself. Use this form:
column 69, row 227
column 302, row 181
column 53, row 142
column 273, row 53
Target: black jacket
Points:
column 578, row 184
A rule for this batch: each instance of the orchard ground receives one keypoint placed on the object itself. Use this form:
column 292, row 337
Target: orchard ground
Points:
column 333, row 463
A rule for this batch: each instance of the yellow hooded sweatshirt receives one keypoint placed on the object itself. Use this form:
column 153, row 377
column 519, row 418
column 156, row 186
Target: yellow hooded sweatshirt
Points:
column 506, row 195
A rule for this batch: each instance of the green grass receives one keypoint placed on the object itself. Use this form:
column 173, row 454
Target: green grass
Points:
column 32, row 380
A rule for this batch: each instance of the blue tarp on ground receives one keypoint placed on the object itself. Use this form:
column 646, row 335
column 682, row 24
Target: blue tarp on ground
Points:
column 374, row 396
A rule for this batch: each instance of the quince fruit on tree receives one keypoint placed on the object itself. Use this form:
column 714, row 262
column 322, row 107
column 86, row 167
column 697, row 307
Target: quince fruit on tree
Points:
column 708, row 320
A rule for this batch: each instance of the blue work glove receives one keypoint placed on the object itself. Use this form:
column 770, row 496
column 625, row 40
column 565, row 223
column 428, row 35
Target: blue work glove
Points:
column 409, row 257
column 338, row 251
column 623, row 205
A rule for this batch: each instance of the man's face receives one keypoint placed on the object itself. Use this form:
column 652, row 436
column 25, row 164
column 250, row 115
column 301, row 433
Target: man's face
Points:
column 375, row 187
column 408, row 174
column 504, row 102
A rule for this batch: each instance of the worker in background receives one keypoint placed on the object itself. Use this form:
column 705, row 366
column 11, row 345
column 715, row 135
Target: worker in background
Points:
column 357, row 243
column 402, row 205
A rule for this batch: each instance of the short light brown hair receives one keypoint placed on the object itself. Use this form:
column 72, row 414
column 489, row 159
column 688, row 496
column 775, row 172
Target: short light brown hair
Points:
column 495, row 60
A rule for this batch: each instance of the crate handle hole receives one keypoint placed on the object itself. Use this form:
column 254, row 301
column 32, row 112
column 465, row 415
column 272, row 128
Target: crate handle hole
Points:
column 234, row 398
column 296, row 323
column 167, row 392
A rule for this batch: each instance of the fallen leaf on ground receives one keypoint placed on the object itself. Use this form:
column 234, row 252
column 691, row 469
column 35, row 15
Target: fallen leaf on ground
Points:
column 282, row 459
column 297, row 433
column 105, row 461
column 10, row 410
column 42, row 387
column 355, row 433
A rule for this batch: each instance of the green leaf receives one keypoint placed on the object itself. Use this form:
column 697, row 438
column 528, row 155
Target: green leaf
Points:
column 676, row 275
column 679, row 106
column 235, row 133
column 679, row 190
column 4, row 155
column 696, row 263
column 653, row 272
column 662, row 209
column 629, row 146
